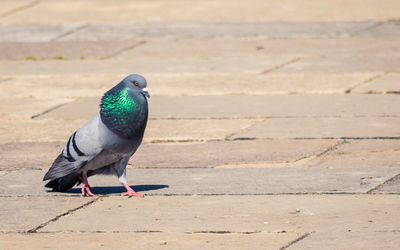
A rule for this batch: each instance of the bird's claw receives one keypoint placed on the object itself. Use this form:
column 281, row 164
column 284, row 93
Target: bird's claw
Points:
column 130, row 194
column 86, row 190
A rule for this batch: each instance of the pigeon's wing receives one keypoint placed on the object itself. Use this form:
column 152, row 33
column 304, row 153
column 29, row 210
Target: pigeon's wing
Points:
column 84, row 145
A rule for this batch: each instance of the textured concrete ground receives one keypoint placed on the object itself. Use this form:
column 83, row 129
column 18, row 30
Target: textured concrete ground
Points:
column 273, row 124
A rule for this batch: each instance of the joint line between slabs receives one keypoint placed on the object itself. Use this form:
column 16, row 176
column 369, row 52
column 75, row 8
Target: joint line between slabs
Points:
column 20, row 8
column 48, row 110
column 321, row 154
column 328, row 150
column 348, row 91
column 70, row 32
column 293, row 60
column 383, row 184
column 314, row 193
column 369, row 28
column 253, row 123
column 116, row 53
column 296, row 240
column 34, row 230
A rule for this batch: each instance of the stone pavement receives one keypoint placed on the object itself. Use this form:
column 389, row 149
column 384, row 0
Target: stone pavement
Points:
column 273, row 124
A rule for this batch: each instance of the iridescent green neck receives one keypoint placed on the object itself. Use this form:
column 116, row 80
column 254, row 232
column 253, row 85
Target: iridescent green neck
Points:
column 121, row 112
column 118, row 102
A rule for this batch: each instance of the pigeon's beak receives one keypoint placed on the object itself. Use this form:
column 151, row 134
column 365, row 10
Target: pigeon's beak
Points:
column 146, row 92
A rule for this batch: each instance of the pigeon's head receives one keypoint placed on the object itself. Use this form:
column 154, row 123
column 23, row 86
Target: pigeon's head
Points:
column 137, row 83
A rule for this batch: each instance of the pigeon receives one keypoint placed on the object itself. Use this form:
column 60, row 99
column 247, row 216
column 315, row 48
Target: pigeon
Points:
column 105, row 143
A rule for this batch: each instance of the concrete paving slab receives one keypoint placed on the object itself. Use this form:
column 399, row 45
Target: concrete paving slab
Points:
column 19, row 214
column 261, row 178
column 205, row 49
column 391, row 186
column 253, row 84
column 205, row 11
column 387, row 84
column 354, row 240
column 73, row 86
column 25, row 108
column 332, row 213
column 364, row 152
column 37, row 130
column 226, row 30
column 154, row 240
column 348, row 63
column 260, row 49
column 143, row 66
column 273, row 106
column 58, row 86
column 29, row 154
column 194, row 130
column 35, row 33
column 384, row 29
column 156, row 131
column 368, row 146
column 173, row 155
column 303, row 176
column 24, row 183
column 246, row 106
column 62, row 50
column 216, row 153
column 10, row 6
column 389, row 158
column 334, row 128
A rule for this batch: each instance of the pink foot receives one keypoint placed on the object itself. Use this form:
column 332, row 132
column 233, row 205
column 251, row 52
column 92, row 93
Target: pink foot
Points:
column 130, row 192
column 88, row 191
column 85, row 186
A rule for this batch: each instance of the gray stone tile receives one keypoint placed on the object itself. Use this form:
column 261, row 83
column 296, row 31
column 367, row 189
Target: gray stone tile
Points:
column 157, row 130
column 245, row 106
column 204, row 12
column 321, row 213
column 346, row 63
column 305, row 176
column 194, row 130
column 368, row 146
column 275, row 30
column 355, row 240
column 273, row 106
column 174, row 155
column 344, row 49
column 29, row 154
column 364, row 152
column 386, row 84
column 360, row 127
column 143, row 241
column 34, row 33
column 216, row 153
column 392, row 186
column 176, row 84
column 57, row 86
column 253, row 84
column 143, row 66
column 25, row 108
column 9, row 6
column 382, row 29
column 61, row 50
column 26, row 130
column 19, row 214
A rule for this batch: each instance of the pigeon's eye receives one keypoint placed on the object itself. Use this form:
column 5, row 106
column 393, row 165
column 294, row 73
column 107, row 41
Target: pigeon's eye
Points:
column 136, row 83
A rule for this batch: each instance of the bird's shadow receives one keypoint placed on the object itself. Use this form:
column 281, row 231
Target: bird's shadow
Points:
column 104, row 190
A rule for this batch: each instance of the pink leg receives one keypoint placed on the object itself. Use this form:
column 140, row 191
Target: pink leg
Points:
column 85, row 185
column 130, row 191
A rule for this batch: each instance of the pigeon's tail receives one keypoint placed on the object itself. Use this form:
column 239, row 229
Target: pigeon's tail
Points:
column 61, row 167
column 64, row 183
